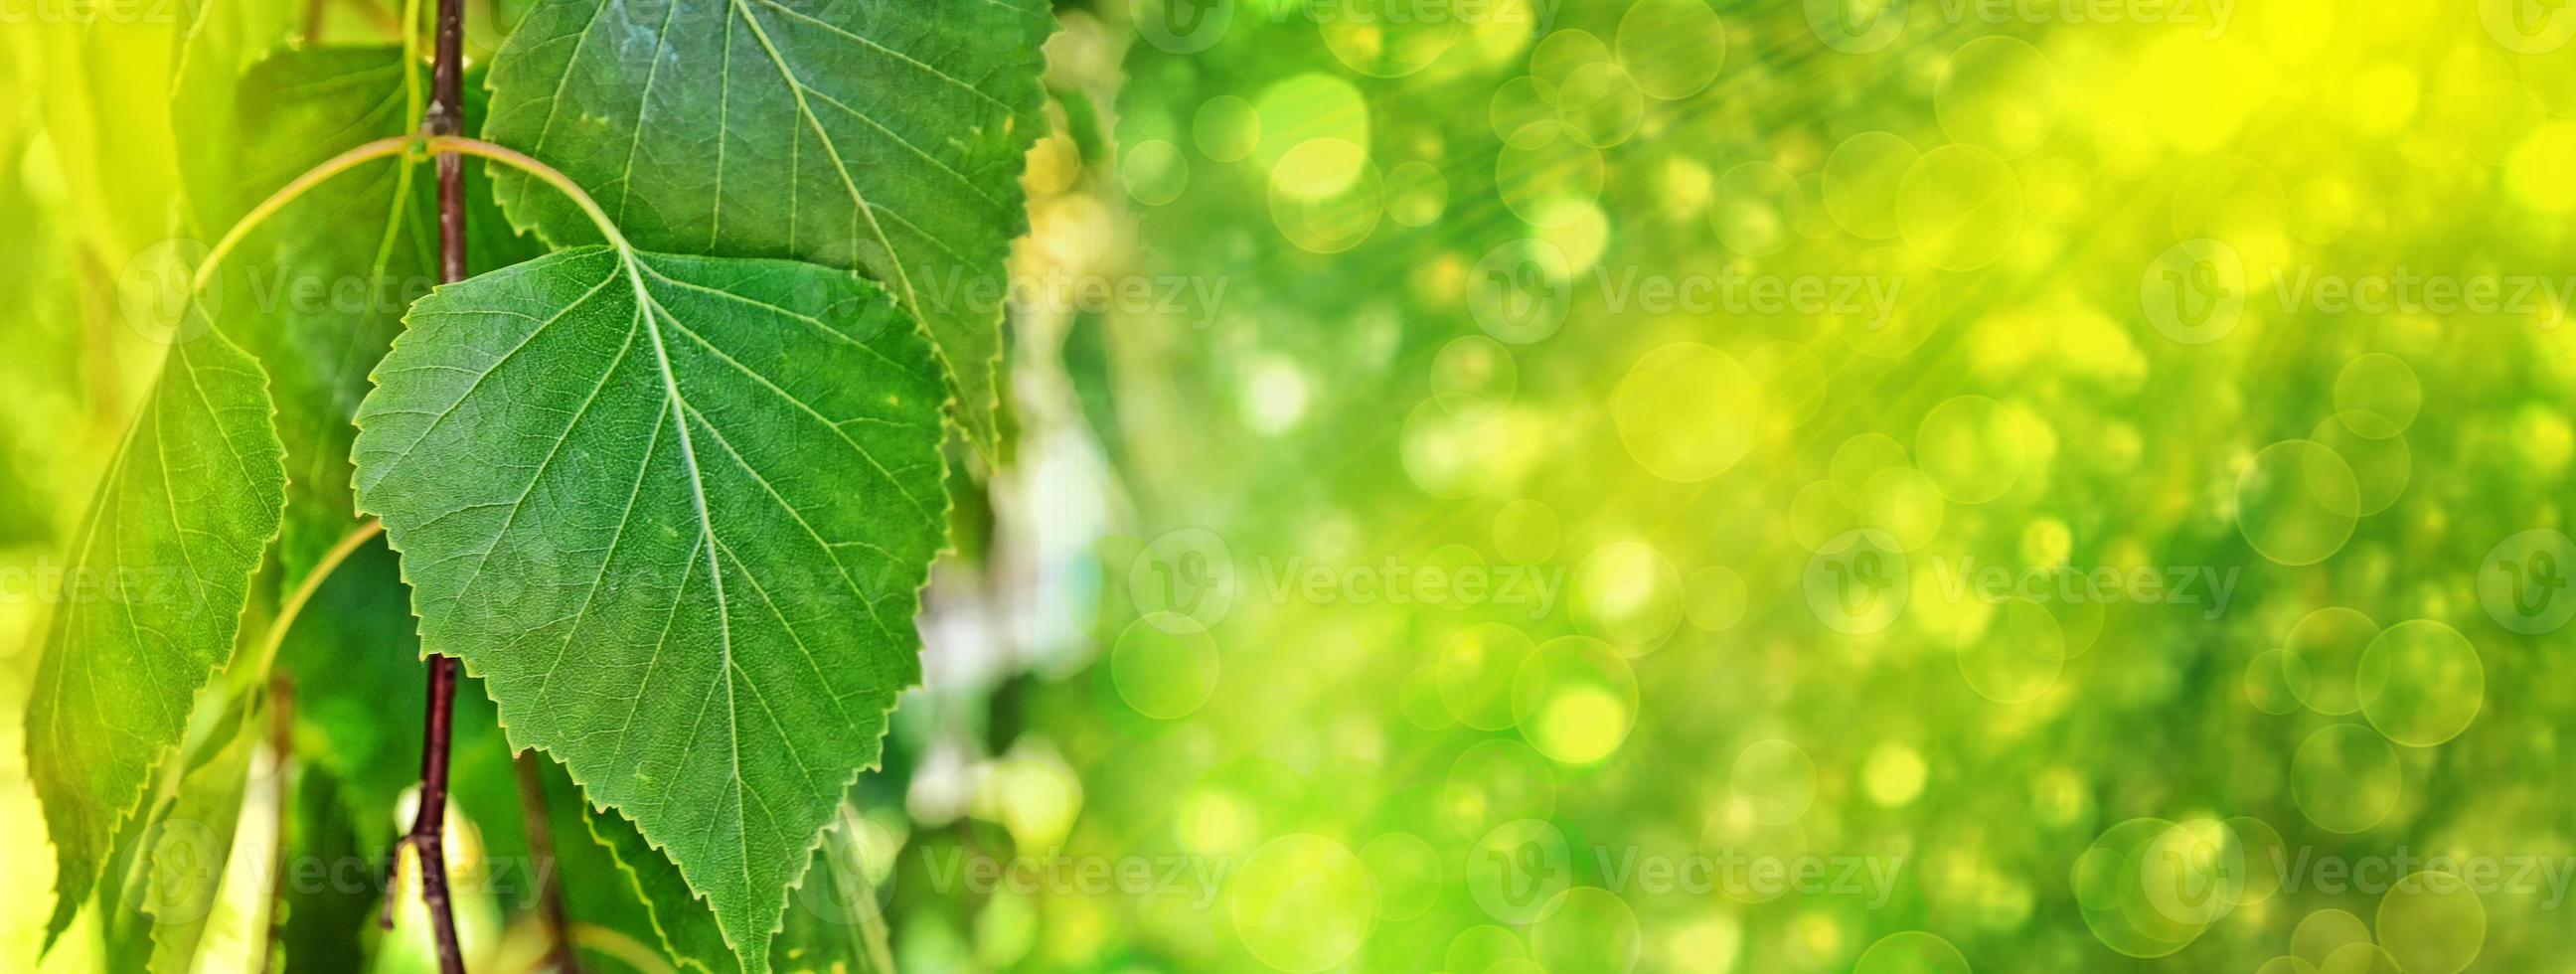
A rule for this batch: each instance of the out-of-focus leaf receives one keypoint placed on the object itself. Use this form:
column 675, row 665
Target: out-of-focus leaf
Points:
column 219, row 40
column 161, row 575
column 186, row 852
column 328, row 893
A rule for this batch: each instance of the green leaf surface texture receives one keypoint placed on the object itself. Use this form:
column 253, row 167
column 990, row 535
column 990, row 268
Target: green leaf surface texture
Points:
column 676, row 512
column 886, row 136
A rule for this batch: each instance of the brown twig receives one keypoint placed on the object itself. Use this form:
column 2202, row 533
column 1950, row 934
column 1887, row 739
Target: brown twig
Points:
column 541, row 844
column 445, row 116
column 428, row 836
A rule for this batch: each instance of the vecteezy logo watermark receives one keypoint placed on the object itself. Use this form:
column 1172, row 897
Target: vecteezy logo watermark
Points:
column 1516, row 871
column 1857, row 26
column 1520, row 292
column 187, row 863
column 1864, row 26
column 156, row 294
column 1398, row 583
column 2195, row 292
column 1184, row 579
column 2523, row 581
column 1963, row 578
column 1182, row 26
column 1857, row 583
column 2529, row 26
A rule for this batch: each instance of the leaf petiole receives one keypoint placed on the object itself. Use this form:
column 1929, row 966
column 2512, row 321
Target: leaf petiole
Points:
column 378, row 149
column 546, row 174
column 304, row 592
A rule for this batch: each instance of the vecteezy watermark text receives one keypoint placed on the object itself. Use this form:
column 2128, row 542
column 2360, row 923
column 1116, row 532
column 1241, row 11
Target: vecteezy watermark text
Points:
column 2196, row 292
column 2304, row 870
column 2211, row 585
column 1749, row 876
column 1191, row 26
column 953, row 868
column 1866, row 26
column 1521, row 291
column 48, row 582
column 1395, row 582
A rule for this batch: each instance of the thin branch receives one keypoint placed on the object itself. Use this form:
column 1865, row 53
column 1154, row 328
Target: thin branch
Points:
column 428, row 835
column 541, row 845
column 445, row 116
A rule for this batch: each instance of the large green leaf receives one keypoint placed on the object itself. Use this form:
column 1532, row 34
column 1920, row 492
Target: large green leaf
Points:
column 160, row 574
column 676, row 512
column 880, row 135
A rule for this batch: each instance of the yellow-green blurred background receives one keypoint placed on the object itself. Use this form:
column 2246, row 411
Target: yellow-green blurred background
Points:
column 1515, row 486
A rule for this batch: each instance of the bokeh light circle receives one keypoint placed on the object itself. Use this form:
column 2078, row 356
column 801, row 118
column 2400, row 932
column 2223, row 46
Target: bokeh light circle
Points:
column 2432, row 923
column 1475, row 671
column 2377, row 395
column 1912, row 952
column 1972, row 447
column 2325, row 648
column 1998, row 93
column 2345, row 778
column 2421, row 683
column 1776, row 777
column 2296, row 502
column 1687, row 412
column 1302, row 903
column 1959, row 207
column 1629, row 595
column 1673, row 48
column 1166, row 667
column 1587, row 929
column 1574, row 700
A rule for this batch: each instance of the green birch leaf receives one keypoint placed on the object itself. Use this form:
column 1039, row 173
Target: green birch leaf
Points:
column 884, row 136
column 164, row 564
column 676, row 512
